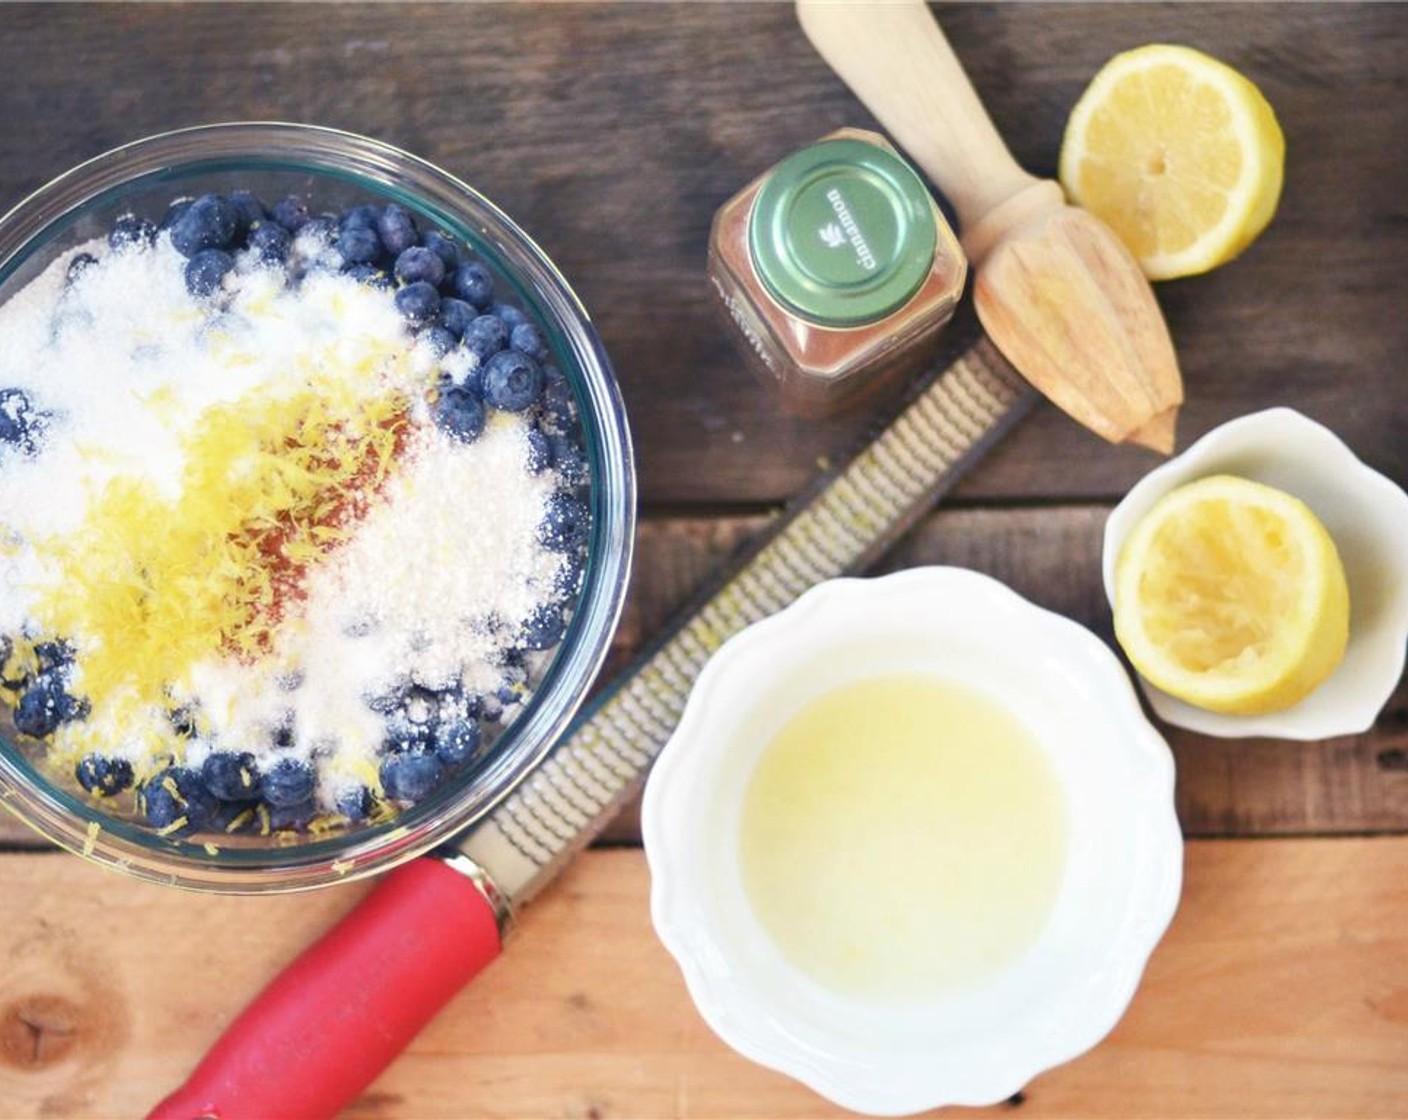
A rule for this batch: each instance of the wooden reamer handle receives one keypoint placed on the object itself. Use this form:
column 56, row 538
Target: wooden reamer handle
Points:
column 898, row 62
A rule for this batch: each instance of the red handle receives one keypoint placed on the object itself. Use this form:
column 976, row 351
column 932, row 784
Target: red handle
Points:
column 327, row 1025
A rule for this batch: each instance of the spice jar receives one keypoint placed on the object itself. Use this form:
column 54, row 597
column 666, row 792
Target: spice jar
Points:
column 837, row 270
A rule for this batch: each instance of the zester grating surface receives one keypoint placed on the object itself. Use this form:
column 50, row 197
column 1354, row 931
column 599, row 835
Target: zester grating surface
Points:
column 845, row 523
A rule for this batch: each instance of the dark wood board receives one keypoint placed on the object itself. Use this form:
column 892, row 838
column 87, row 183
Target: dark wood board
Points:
column 612, row 132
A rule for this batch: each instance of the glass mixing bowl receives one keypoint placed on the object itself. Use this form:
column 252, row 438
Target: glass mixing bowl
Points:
column 335, row 170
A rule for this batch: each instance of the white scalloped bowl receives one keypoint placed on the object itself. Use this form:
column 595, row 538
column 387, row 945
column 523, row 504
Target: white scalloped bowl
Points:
column 1365, row 513
column 1120, row 883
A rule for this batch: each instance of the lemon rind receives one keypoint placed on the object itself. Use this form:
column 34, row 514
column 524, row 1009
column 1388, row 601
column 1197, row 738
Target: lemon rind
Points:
column 1252, row 202
column 1299, row 665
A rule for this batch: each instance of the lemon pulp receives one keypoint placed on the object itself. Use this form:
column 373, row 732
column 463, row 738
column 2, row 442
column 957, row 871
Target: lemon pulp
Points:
column 1180, row 154
column 1230, row 595
column 903, row 838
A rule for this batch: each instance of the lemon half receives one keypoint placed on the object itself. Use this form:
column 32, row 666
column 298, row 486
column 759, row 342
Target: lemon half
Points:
column 1230, row 595
column 1179, row 153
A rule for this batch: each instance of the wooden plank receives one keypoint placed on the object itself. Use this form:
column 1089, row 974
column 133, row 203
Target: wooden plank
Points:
column 1281, row 989
column 613, row 133
column 1051, row 555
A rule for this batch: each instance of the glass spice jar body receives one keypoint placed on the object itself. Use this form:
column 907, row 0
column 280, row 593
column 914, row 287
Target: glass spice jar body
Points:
column 836, row 270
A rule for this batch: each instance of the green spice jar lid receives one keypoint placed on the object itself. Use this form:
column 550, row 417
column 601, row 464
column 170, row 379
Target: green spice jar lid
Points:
column 843, row 232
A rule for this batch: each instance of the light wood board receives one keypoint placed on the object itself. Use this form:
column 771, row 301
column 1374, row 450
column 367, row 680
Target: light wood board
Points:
column 1281, row 991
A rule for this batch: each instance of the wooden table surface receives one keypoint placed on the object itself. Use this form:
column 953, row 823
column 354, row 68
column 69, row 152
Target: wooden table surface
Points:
column 612, row 133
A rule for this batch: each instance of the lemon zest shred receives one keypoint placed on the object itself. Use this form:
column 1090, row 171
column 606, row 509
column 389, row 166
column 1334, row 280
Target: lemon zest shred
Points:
column 149, row 587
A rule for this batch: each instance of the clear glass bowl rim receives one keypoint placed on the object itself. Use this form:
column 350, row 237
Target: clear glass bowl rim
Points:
column 264, row 146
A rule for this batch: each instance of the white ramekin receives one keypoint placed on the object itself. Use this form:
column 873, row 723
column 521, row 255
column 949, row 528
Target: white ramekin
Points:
column 1365, row 513
column 1121, row 880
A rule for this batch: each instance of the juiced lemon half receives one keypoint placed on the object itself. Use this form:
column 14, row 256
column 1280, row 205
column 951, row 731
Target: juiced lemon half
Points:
column 1179, row 153
column 1230, row 595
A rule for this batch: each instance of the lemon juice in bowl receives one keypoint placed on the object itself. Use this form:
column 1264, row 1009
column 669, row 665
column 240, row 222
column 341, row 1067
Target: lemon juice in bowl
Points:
column 936, row 797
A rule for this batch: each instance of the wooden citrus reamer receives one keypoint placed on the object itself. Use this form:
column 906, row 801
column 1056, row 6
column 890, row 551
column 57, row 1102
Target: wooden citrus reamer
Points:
column 1056, row 290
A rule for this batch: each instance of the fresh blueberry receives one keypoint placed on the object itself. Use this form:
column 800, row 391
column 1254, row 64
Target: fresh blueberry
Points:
column 370, row 275
column 176, row 800
column 206, row 271
column 440, row 341
column 513, row 687
column 287, row 782
column 131, row 232
column 527, row 339
column 385, row 704
column 543, row 628
column 270, row 242
column 174, row 211
column 455, row 704
column 103, row 775
column 402, row 735
column 209, row 223
column 567, row 580
column 17, row 421
column 569, row 461
column 411, row 720
column 236, row 816
column 322, row 226
column 397, row 229
column 421, row 706
column 291, row 213
column 512, row 381
column 446, row 248
column 457, row 741
column 355, row 803
column 456, row 315
column 364, row 216
column 539, row 456
column 182, row 721
column 565, row 523
column 418, row 264
column 230, row 776
column 292, row 818
column 418, row 303
column 459, row 413
column 512, row 316
column 78, row 265
column 358, row 244
column 410, row 776
column 249, row 212
column 473, row 380
column 491, row 708
column 485, row 336
column 44, row 705
column 474, row 284
column 53, row 655
column 559, row 406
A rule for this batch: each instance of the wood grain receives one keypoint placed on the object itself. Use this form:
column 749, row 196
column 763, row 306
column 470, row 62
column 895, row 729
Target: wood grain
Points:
column 1051, row 555
column 613, row 133
column 1281, row 990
